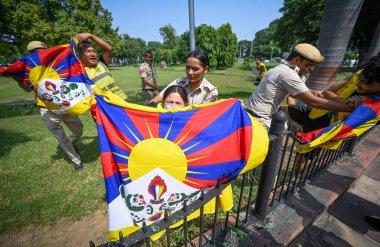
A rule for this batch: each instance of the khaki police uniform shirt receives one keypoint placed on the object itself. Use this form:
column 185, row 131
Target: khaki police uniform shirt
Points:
column 276, row 85
column 149, row 72
column 205, row 93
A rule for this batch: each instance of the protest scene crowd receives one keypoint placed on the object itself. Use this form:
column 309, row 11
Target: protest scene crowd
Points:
column 183, row 138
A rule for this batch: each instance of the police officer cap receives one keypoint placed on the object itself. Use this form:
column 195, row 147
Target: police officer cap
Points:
column 309, row 52
column 33, row 45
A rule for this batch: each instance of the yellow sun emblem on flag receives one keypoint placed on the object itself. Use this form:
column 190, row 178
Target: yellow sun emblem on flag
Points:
column 38, row 73
column 141, row 162
column 151, row 153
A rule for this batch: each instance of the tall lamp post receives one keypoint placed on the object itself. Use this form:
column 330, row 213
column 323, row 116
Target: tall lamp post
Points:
column 254, row 33
column 191, row 25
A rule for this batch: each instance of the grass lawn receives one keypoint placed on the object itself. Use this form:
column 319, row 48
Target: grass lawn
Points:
column 234, row 82
column 38, row 183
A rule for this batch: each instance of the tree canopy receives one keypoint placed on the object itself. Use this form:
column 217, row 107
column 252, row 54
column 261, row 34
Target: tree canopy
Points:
column 219, row 44
column 266, row 41
column 227, row 46
column 53, row 22
column 301, row 21
column 168, row 34
column 133, row 49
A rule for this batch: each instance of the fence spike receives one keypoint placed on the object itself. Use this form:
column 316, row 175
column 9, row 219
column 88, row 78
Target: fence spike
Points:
column 184, row 206
column 145, row 230
column 202, row 197
column 121, row 236
column 166, row 216
column 144, row 227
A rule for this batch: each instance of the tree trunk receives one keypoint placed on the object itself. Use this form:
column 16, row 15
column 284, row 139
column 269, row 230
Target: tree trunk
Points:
column 363, row 50
column 271, row 54
column 374, row 47
column 338, row 21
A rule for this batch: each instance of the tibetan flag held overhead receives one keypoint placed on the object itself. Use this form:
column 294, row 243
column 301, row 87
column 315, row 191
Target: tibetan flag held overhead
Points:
column 56, row 76
column 359, row 121
column 154, row 159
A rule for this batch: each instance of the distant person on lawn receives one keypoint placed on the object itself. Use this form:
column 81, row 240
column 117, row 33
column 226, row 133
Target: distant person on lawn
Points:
column 148, row 78
column 260, row 66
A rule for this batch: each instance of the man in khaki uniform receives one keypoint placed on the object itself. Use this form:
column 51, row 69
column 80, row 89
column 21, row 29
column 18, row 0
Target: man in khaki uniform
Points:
column 289, row 78
column 148, row 78
column 53, row 119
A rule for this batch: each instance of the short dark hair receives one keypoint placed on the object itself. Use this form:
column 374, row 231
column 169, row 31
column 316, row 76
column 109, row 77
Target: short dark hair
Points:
column 148, row 52
column 84, row 45
column 176, row 89
column 371, row 69
column 259, row 58
column 201, row 56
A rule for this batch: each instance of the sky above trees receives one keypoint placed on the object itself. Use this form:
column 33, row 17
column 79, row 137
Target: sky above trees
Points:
column 143, row 19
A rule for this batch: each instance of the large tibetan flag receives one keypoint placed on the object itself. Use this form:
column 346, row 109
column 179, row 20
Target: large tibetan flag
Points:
column 154, row 159
column 360, row 120
column 57, row 76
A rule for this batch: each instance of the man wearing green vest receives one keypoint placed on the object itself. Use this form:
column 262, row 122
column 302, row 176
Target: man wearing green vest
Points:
column 97, row 70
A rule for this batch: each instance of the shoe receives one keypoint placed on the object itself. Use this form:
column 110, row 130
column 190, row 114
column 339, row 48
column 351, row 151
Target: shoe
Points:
column 373, row 221
column 78, row 167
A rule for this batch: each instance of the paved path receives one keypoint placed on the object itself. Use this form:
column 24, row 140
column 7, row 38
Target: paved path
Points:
column 343, row 223
column 330, row 210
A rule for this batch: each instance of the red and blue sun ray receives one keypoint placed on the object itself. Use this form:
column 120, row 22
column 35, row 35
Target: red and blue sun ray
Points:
column 218, row 124
column 112, row 178
column 172, row 123
column 118, row 117
column 209, row 137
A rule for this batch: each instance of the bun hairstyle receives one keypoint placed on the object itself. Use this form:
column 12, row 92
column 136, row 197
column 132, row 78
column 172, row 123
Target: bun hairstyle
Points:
column 201, row 56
